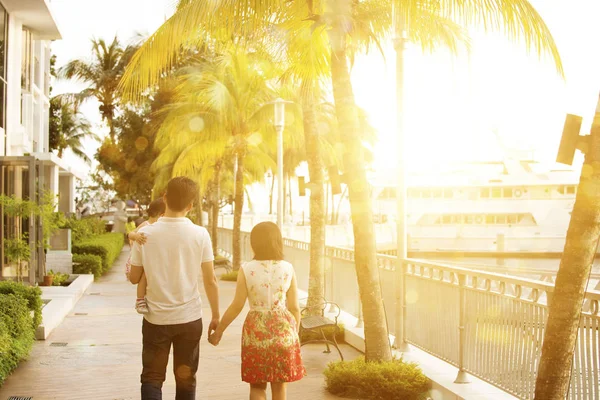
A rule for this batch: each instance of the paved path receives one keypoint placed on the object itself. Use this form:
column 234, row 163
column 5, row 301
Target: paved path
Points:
column 102, row 358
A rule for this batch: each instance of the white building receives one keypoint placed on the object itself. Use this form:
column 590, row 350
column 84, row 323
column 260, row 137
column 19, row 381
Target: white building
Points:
column 27, row 167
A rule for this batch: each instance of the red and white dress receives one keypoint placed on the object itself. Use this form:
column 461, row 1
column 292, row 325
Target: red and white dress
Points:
column 270, row 342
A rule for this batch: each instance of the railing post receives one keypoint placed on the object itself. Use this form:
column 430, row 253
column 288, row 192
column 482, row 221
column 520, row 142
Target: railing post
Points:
column 400, row 326
column 462, row 376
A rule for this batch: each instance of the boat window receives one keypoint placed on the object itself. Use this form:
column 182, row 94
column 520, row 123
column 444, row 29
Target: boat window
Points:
column 447, row 219
column 496, row 193
column 448, row 193
column 484, row 193
column 468, row 219
column 512, row 219
column 501, row 219
column 438, row 193
column 571, row 189
column 426, row 194
column 507, row 192
column 490, row 219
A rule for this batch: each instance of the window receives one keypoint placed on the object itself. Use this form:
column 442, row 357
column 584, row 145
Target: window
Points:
column 496, row 193
column 448, row 193
column 438, row 193
column 484, row 193
column 501, row 219
column 447, row 219
column 468, row 219
column 512, row 219
column 490, row 219
column 26, row 60
column 571, row 189
column 507, row 192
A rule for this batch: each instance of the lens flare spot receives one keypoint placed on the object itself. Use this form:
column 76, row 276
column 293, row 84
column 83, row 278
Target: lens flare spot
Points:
column 196, row 124
column 141, row 143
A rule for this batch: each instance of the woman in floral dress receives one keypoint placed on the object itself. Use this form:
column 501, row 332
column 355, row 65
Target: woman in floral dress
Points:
column 270, row 343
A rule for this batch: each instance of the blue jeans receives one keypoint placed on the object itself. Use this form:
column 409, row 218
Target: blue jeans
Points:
column 157, row 340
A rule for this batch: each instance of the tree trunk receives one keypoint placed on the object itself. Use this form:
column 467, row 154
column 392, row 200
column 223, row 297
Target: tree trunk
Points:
column 199, row 216
column 571, row 281
column 237, row 214
column 316, row 280
column 377, row 343
column 215, row 207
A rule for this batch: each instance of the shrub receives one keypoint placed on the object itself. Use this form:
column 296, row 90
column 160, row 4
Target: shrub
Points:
column 393, row 380
column 84, row 228
column 33, row 295
column 108, row 246
column 230, row 276
column 16, row 333
column 87, row 264
column 58, row 278
column 306, row 336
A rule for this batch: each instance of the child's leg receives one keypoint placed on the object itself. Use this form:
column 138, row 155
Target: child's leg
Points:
column 278, row 390
column 141, row 287
column 258, row 391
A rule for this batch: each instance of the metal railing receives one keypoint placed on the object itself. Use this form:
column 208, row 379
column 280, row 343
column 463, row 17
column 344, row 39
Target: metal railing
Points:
column 489, row 325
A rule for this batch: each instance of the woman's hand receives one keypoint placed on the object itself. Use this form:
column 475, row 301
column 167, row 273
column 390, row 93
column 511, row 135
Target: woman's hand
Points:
column 215, row 338
column 138, row 237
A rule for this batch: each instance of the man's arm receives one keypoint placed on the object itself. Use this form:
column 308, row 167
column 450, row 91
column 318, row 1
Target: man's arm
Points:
column 211, row 287
column 137, row 268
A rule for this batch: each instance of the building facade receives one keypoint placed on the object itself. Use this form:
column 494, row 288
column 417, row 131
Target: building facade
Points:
column 28, row 170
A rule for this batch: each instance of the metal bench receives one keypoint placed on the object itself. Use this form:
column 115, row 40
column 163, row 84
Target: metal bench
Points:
column 223, row 263
column 316, row 319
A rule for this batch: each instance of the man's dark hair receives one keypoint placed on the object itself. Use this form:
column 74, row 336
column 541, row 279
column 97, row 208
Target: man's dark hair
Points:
column 156, row 208
column 181, row 192
column 266, row 242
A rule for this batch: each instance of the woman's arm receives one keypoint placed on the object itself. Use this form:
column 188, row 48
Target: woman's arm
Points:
column 292, row 301
column 134, row 236
column 236, row 307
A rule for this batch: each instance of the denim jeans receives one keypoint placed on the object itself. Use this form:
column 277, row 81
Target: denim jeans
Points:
column 157, row 340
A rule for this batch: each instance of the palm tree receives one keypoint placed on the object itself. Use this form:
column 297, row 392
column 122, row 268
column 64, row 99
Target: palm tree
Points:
column 69, row 131
column 347, row 22
column 102, row 73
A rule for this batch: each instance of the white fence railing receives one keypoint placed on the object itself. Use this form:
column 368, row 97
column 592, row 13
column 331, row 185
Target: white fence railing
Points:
column 487, row 324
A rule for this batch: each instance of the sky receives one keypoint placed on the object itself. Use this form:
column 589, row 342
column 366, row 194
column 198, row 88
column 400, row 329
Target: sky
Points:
column 466, row 107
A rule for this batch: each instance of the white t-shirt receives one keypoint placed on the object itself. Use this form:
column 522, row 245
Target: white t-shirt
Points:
column 172, row 259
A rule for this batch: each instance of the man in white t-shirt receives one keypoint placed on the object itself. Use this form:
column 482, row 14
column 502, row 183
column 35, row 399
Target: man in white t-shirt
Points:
column 175, row 255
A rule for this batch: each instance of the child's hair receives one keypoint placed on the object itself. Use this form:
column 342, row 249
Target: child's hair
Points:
column 266, row 242
column 156, row 208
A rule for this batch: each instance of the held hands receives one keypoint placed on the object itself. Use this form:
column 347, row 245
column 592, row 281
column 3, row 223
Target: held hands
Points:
column 214, row 334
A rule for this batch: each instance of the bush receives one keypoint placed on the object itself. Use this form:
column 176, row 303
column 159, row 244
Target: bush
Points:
column 230, row 276
column 108, row 246
column 84, row 228
column 17, row 333
column 393, row 380
column 33, row 295
column 307, row 336
column 58, row 278
column 87, row 264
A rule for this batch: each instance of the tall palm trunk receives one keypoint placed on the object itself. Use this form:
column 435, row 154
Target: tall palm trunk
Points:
column 571, row 281
column 237, row 214
column 377, row 344
column 316, row 280
column 215, row 207
column 199, row 216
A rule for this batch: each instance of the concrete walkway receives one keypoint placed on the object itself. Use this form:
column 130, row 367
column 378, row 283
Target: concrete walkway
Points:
column 102, row 356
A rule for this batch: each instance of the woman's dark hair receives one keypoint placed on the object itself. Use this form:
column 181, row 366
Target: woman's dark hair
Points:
column 156, row 208
column 266, row 242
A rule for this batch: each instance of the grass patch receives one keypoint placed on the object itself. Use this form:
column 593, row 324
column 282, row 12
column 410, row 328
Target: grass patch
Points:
column 393, row 380
column 230, row 276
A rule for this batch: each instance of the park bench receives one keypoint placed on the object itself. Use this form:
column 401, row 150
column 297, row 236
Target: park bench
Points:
column 316, row 319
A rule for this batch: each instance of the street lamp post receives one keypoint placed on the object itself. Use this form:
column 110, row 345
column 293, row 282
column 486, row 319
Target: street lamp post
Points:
column 279, row 122
column 400, row 41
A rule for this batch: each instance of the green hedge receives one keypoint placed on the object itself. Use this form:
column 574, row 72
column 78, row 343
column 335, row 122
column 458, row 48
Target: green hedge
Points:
column 33, row 295
column 85, row 228
column 393, row 380
column 17, row 330
column 87, row 264
column 108, row 246
column 230, row 276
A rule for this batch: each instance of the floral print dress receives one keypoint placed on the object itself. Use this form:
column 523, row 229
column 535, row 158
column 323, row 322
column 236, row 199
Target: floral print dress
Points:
column 270, row 343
